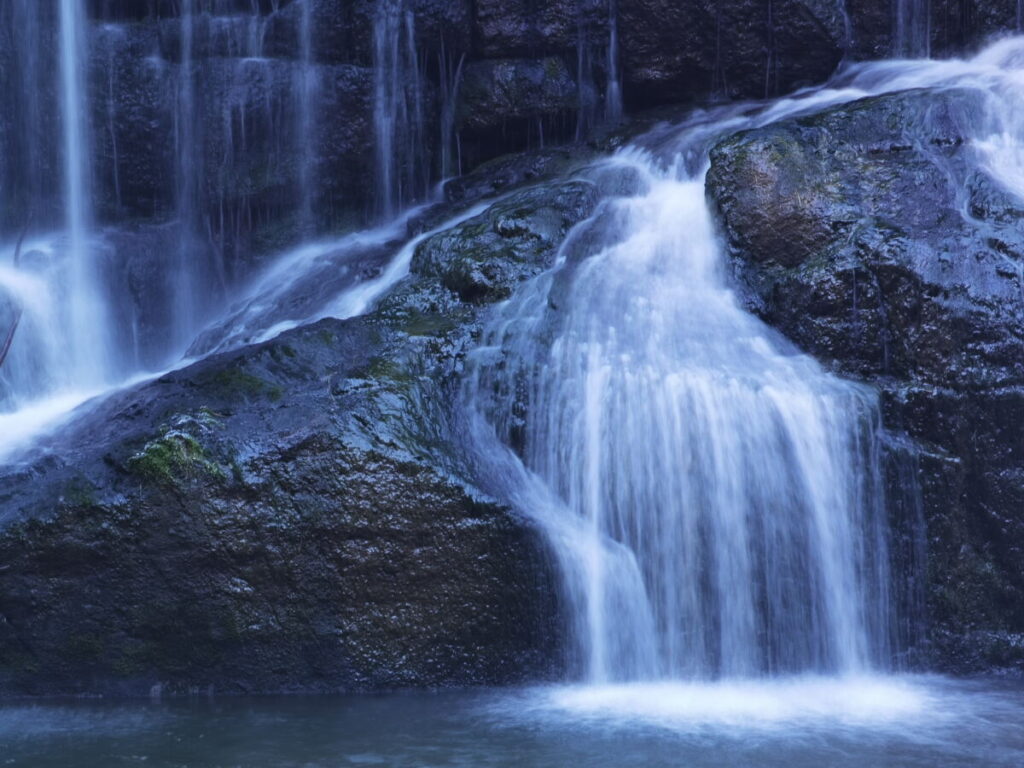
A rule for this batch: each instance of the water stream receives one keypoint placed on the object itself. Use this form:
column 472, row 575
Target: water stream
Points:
column 713, row 496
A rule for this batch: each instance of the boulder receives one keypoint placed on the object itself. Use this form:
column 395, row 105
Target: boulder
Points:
column 485, row 258
column 872, row 237
column 289, row 516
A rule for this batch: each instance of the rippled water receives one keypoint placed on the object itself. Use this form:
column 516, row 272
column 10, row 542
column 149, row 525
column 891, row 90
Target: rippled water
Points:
column 802, row 722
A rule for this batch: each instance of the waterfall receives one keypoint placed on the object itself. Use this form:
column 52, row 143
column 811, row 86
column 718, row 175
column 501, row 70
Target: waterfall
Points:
column 305, row 136
column 912, row 29
column 402, row 169
column 717, row 497
column 388, row 100
column 189, row 168
column 26, row 176
column 88, row 324
column 714, row 497
column 451, row 80
column 589, row 67
column 613, row 89
column 587, row 88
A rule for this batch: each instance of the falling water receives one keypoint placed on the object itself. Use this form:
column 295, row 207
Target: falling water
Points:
column 597, row 61
column 613, row 89
column 912, row 29
column 398, row 109
column 586, row 87
column 305, row 135
column 451, row 80
column 388, row 100
column 714, row 496
column 27, row 178
column 717, row 496
column 189, row 167
column 88, row 323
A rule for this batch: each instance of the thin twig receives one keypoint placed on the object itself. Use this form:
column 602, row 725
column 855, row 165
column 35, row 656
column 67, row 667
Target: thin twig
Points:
column 10, row 337
column 21, row 239
column 6, row 348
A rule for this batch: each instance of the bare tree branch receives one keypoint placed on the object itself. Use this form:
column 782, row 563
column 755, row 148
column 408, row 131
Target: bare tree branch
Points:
column 21, row 239
column 9, row 339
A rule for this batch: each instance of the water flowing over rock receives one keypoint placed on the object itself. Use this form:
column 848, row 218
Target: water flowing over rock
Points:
column 347, row 551
column 899, row 263
column 284, row 407
column 714, row 497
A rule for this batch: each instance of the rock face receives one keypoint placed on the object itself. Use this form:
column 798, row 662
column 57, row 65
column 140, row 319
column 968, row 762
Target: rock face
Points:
column 868, row 236
column 676, row 51
column 495, row 77
column 293, row 515
column 882, row 28
column 515, row 99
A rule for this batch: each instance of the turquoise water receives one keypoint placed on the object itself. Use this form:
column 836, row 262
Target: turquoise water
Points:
column 801, row 723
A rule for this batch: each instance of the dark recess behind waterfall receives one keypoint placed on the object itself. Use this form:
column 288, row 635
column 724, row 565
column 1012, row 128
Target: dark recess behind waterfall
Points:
column 532, row 72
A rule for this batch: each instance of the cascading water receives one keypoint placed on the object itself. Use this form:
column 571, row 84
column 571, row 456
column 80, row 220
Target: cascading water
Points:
column 29, row 183
column 450, row 74
column 87, row 307
column 613, row 89
column 716, row 496
column 402, row 169
column 912, row 29
column 715, row 499
column 597, row 59
column 306, row 87
column 189, row 170
column 74, row 284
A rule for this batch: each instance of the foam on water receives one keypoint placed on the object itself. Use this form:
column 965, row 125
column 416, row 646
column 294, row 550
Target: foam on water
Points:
column 749, row 704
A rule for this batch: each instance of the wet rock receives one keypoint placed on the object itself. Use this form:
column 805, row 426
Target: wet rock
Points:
column 510, row 104
column 680, row 51
column 895, row 260
column 507, row 28
column 485, row 258
column 134, row 150
column 513, row 170
column 291, row 516
column 500, row 91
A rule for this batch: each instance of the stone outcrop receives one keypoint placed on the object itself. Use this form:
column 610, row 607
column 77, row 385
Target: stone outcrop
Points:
column 292, row 516
column 869, row 236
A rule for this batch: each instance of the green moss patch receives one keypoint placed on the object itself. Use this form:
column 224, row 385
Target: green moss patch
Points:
column 173, row 457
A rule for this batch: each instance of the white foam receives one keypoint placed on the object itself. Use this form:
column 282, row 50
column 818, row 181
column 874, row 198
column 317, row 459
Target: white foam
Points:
column 863, row 701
